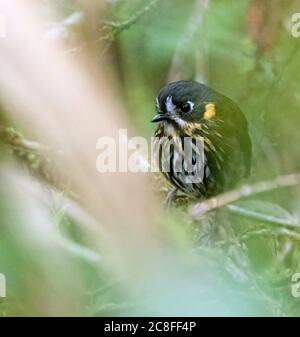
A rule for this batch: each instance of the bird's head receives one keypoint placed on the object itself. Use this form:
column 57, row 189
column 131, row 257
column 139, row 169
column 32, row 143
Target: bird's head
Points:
column 184, row 103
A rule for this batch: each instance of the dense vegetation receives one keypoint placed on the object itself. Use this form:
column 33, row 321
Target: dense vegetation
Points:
column 73, row 242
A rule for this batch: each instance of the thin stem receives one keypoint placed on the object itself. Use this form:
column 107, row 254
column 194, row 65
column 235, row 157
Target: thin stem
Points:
column 200, row 209
column 114, row 28
column 293, row 223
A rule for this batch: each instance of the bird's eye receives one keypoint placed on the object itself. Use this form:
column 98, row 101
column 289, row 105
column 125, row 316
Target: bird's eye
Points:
column 186, row 107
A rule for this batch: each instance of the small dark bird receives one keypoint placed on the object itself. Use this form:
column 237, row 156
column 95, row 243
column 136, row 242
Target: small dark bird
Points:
column 190, row 110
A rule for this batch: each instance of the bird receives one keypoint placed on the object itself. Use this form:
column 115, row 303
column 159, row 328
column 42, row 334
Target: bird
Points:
column 220, row 149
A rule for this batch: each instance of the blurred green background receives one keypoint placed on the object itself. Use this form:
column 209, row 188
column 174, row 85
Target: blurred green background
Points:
column 234, row 264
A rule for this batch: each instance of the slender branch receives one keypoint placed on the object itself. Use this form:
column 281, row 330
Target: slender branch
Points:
column 41, row 160
column 275, row 83
column 293, row 223
column 262, row 232
column 282, row 232
column 10, row 136
column 115, row 28
column 200, row 209
column 179, row 62
column 73, row 210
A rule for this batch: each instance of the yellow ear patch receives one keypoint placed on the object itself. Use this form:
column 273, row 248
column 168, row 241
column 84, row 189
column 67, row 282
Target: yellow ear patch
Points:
column 210, row 111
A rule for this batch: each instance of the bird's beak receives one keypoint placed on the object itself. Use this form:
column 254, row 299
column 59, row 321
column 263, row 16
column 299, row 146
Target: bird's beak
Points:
column 159, row 117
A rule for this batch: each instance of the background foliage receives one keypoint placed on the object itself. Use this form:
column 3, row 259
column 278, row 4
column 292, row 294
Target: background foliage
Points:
column 226, row 263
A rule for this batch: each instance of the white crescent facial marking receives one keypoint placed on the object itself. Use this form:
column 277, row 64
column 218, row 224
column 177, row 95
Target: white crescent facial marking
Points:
column 191, row 104
column 180, row 121
column 170, row 106
column 157, row 104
